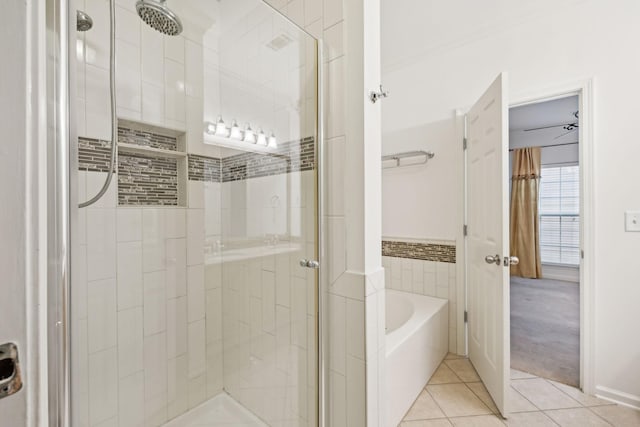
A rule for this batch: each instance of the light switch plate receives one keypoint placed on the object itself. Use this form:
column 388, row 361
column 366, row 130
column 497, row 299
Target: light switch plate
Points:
column 632, row 221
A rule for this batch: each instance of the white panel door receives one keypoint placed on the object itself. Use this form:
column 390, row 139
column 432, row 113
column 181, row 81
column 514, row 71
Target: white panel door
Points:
column 488, row 236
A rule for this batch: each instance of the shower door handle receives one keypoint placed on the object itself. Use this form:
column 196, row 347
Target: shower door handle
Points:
column 308, row 263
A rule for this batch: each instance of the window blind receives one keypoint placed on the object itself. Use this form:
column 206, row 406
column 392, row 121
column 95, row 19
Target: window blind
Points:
column 559, row 209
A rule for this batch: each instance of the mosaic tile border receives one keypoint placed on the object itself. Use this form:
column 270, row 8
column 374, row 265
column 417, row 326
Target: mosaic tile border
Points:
column 202, row 168
column 93, row 155
column 422, row 251
column 145, row 179
column 295, row 156
column 147, row 139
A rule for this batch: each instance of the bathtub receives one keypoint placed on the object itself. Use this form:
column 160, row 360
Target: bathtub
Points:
column 417, row 340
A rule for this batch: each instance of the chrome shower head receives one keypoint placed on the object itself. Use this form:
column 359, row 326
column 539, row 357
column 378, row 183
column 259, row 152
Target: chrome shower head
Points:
column 83, row 21
column 159, row 17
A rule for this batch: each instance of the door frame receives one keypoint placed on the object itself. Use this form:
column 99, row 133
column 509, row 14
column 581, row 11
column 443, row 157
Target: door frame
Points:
column 584, row 90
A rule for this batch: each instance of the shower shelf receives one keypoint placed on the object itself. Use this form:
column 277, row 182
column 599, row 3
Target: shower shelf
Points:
column 141, row 149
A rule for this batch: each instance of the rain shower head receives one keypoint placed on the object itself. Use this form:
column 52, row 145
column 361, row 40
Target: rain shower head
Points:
column 157, row 15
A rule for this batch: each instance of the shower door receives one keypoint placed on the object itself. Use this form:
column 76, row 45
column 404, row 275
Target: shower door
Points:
column 189, row 301
column 269, row 221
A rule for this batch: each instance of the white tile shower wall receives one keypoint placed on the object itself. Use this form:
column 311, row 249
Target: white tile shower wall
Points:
column 431, row 278
column 146, row 325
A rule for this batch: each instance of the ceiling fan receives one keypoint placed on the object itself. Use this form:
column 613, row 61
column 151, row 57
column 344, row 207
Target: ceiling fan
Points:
column 569, row 127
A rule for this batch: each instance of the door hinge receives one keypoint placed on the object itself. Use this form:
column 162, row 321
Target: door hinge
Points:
column 464, row 143
column 465, row 230
column 582, row 254
column 466, row 316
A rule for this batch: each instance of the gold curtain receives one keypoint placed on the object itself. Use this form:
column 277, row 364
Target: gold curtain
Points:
column 525, row 227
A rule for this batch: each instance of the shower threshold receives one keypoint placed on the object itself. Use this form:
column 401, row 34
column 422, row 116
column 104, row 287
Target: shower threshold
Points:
column 221, row 410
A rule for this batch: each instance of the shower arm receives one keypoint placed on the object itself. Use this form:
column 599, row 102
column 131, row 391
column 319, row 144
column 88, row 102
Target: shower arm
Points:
column 114, row 121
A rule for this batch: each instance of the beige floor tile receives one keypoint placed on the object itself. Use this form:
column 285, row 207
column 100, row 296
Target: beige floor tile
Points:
column 542, row 394
column 482, row 393
column 463, row 369
column 619, row 416
column 424, row 408
column 443, row 422
column 480, row 421
column 457, row 400
column 517, row 403
column 529, row 419
column 451, row 356
column 579, row 396
column 576, row 417
column 444, row 375
column 518, row 375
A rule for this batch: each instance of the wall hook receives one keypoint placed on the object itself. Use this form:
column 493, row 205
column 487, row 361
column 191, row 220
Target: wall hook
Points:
column 375, row 96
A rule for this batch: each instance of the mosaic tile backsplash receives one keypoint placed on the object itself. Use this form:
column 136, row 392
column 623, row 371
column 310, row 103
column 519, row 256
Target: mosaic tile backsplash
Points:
column 422, row 251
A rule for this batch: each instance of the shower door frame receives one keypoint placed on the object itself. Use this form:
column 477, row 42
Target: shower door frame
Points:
column 61, row 197
column 62, row 204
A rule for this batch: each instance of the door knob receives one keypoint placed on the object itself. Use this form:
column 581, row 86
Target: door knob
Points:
column 493, row 259
column 309, row 263
column 511, row 260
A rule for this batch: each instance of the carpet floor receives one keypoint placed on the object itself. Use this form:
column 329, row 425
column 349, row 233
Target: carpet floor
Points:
column 545, row 328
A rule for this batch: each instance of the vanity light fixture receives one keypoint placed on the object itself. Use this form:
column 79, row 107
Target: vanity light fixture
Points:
column 249, row 135
column 235, row 133
column 262, row 139
column 221, row 128
column 272, row 143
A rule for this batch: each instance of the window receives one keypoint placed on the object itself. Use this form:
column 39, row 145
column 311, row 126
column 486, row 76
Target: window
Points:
column 559, row 215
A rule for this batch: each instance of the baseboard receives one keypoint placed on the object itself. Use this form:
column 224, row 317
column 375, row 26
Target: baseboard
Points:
column 618, row 397
column 559, row 272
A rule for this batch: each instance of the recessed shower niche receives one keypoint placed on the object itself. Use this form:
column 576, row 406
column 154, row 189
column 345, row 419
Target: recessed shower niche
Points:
column 152, row 165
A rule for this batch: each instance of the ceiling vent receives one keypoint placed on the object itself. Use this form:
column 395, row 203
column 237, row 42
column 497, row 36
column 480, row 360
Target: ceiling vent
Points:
column 279, row 42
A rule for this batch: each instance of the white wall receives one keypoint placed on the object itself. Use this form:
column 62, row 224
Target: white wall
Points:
column 450, row 58
column 13, row 224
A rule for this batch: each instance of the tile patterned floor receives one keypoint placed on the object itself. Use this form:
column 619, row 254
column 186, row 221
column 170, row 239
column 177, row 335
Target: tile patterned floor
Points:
column 455, row 396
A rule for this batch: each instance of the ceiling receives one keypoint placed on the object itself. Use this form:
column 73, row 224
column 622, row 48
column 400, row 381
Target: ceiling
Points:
column 548, row 113
column 414, row 29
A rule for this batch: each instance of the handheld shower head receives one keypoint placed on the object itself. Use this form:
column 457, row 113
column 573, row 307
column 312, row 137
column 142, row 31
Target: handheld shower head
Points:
column 159, row 17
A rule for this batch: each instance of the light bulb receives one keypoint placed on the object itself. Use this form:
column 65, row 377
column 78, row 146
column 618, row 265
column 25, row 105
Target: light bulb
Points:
column 210, row 128
column 272, row 141
column 236, row 133
column 221, row 128
column 262, row 138
column 249, row 135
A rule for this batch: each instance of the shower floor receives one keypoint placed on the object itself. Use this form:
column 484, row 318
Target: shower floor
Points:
column 221, row 410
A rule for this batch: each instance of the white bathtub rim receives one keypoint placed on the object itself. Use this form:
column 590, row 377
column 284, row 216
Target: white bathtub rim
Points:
column 424, row 308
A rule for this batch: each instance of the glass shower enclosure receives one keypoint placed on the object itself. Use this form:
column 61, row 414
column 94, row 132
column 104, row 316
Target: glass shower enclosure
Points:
column 194, row 286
